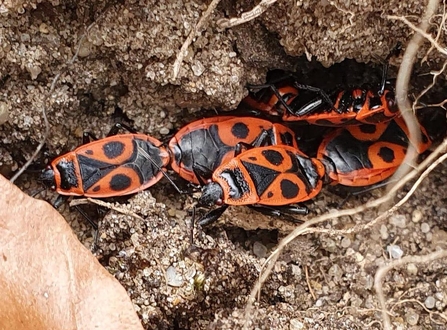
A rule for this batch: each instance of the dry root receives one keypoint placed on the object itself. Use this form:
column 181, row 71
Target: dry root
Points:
column 111, row 206
column 226, row 23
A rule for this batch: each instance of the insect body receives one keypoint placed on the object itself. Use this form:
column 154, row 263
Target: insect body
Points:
column 367, row 154
column 202, row 146
column 114, row 166
column 272, row 175
column 352, row 106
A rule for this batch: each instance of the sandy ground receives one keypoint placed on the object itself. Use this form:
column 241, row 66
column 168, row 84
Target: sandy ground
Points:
column 126, row 60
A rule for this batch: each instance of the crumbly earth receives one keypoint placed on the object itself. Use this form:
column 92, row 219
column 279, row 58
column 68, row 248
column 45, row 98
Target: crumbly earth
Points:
column 126, row 54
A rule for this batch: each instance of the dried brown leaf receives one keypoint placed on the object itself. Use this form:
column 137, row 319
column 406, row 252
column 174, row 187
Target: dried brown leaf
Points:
column 48, row 280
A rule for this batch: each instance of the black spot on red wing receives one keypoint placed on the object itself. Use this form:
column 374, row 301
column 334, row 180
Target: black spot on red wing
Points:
column 269, row 194
column 89, row 152
column 113, row 149
column 387, row 154
column 289, row 189
column 96, row 188
column 120, row 182
column 240, row 130
column 253, row 158
column 395, row 135
column 368, row 128
column 273, row 157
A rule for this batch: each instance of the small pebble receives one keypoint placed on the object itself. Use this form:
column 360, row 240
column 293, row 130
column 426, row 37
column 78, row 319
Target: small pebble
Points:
column 319, row 303
column 146, row 272
column 164, row 131
column 4, row 113
column 172, row 212
column 416, row 216
column 25, row 37
column 336, row 272
column 399, row 220
column 172, row 278
column 329, row 245
column 430, row 302
column 345, row 242
column 259, row 250
column 395, row 251
column 369, row 282
column 85, row 49
column 359, row 257
column 412, row 269
column 197, row 68
column 296, row 324
column 425, row 227
column 384, row 232
column 34, row 70
column 43, row 28
column 296, row 270
column 411, row 317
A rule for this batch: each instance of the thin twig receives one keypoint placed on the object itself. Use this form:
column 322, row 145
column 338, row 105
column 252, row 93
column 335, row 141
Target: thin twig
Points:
column 308, row 283
column 247, row 16
column 82, row 201
column 182, row 53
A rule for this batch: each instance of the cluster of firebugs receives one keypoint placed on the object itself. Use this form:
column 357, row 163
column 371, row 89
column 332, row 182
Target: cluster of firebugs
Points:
column 251, row 160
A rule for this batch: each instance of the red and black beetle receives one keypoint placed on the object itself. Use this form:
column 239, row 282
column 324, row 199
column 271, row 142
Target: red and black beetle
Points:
column 113, row 166
column 364, row 155
column 293, row 101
